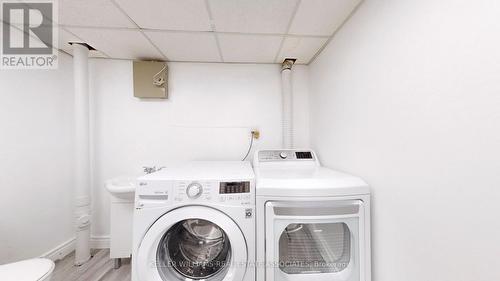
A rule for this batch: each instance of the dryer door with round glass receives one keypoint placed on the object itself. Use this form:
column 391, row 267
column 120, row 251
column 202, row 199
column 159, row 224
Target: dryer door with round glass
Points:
column 317, row 241
column 192, row 243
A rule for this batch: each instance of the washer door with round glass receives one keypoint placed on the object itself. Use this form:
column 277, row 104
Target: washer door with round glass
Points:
column 192, row 243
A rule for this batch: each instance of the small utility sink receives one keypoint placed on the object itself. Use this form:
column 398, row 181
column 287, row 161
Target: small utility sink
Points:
column 122, row 190
column 121, row 187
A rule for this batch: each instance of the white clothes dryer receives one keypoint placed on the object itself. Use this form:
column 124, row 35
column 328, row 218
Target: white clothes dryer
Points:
column 195, row 222
column 313, row 223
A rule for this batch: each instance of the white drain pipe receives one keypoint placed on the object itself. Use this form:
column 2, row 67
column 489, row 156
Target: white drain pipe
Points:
column 287, row 118
column 82, row 153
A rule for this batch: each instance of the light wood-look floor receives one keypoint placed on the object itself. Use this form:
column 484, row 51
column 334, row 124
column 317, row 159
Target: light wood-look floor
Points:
column 99, row 268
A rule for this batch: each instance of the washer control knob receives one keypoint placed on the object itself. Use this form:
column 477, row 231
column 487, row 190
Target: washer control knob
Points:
column 194, row 190
column 283, row 155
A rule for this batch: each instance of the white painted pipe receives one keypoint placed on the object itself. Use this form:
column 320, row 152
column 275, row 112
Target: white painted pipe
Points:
column 287, row 100
column 82, row 153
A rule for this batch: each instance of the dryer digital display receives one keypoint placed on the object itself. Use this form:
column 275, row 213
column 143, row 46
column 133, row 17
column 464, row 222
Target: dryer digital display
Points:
column 234, row 187
column 303, row 155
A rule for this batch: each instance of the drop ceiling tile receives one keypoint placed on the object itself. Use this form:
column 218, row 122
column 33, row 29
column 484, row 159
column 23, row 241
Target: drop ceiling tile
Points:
column 321, row 17
column 118, row 43
column 186, row 46
column 189, row 15
column 97, row 13
column 256, row 16
column 301, row 48
column 249, row 48
column 65, row 37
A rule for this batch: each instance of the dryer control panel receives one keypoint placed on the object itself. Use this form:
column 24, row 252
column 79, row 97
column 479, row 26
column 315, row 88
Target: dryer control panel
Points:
column 286, row 155
column 281, row 158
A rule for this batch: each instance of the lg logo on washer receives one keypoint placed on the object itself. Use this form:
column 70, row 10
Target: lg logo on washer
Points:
column 248, row 213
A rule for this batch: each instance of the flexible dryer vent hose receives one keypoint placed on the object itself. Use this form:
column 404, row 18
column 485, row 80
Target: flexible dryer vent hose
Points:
column 287, row 103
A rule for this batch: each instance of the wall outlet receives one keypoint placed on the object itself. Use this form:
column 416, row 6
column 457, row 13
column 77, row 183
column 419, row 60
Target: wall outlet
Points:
column 256, row 134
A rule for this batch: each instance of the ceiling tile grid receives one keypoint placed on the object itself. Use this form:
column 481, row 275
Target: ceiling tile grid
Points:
column 186, row 46
column 257, row 16
column 188, row 15
column 119, row 43
column 249, row 48
column 92, row 13
column 321, row 17
column 244, row 31
column 301, row 48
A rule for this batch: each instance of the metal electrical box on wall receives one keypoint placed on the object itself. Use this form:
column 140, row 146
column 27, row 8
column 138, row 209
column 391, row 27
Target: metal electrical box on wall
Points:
column 150, row 79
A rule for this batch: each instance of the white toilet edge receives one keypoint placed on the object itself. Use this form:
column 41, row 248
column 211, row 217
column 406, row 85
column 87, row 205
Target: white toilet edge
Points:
column 48, row 275
column 37, row 269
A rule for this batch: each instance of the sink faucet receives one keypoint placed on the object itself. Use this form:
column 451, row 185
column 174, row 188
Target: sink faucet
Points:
column 153, row 169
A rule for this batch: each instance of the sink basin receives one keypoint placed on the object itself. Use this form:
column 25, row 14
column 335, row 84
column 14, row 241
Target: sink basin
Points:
column 121, row 187
column 122, row 190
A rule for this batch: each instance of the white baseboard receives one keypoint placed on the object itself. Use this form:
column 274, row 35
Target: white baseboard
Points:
column 99, row 242
column 61, row 250
column 64, row 249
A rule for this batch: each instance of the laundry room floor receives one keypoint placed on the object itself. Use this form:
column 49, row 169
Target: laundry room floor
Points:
column 99, row 268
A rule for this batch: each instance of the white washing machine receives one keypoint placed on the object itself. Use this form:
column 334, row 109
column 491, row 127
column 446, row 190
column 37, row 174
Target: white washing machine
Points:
column 195, row 222
column 313, row 223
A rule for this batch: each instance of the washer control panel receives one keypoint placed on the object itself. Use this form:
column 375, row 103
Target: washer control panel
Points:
column 286, row 155
column 229, row 193
column 157, row 193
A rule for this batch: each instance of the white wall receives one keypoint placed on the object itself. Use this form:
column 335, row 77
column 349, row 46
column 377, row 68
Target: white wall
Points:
column 407, row 96
column 208, row 116
column 35, row 160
